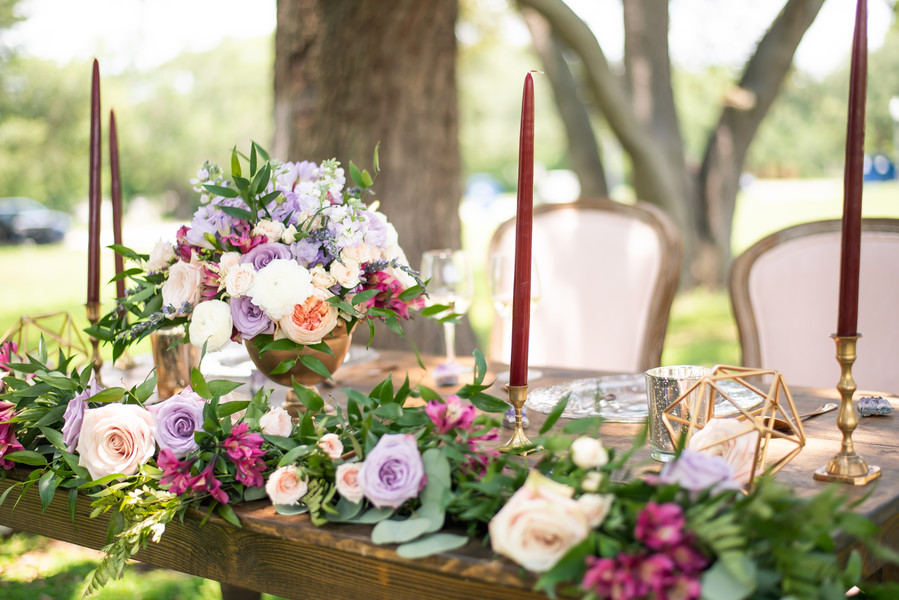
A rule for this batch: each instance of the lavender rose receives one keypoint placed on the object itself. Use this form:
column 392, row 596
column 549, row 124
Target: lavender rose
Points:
column 176, row 420
column 696, row 471
column 249, row 319
column 74, row 414
column 263, row 254
column 393, row 471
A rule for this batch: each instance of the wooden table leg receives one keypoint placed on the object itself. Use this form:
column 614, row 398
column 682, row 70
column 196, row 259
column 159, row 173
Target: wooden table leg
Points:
column 232, row 592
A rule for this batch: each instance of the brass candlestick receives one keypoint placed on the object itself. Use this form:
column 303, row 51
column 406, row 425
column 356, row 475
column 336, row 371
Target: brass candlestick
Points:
column 847, row 466
column 93, row 315
column 519, row 441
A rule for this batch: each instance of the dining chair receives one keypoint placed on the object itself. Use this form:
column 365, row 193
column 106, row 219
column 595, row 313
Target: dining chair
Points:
column 784, row 292
column 608, row 274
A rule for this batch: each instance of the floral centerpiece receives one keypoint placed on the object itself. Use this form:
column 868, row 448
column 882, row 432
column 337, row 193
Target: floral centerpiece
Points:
column 281, row 254
column 428, row 480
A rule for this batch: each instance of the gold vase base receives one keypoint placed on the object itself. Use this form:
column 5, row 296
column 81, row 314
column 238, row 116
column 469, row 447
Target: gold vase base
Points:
column 518, row 442
column 847, row 468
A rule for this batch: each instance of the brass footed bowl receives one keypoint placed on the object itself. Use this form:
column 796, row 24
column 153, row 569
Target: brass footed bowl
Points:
column 338, row 341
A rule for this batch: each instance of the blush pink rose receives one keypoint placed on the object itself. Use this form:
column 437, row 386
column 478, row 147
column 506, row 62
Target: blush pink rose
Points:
column 286, row 486
column 347, row 483
column 276, row 421
column 733, row 440
column 183, row 285
column 331, row 445
column 312, row 320
column 115, row 438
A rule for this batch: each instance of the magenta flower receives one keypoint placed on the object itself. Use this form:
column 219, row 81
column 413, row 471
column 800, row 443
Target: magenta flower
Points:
column 390, row 289
column 175, row 473
column 8, row 441
column 450, row 414
column 600, row 576
column 660, row 526
column 8, row 351
column 243, row 449
column 656, row 572
column 478, row 459
column 206, row 482
column 241, row 240
column 683, row 588
column 688, row 559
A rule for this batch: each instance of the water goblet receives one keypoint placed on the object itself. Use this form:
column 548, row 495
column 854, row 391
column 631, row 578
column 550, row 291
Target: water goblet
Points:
column 450, row 284
column 502, row 286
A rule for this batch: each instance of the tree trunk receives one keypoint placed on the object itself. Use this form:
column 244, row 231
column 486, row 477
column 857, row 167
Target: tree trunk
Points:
column 350, row 75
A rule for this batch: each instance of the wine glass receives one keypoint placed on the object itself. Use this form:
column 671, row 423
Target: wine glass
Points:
column 450, row 285
column 502, row 286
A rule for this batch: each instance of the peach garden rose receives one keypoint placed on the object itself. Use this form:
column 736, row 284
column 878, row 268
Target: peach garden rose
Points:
column 347, row 483
column 312, row 320
column 286, row 485
column 115, row 438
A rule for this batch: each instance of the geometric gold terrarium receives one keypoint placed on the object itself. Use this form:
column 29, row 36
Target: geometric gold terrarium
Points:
column 747, row 429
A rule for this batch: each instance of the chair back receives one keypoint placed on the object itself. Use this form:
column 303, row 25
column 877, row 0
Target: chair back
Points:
column 608, row 274
column 784, row 293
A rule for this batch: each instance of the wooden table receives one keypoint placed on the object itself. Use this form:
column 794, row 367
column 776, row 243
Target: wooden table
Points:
column 289, row 557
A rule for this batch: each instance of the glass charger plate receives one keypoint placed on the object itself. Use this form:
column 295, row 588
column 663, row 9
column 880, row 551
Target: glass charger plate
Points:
column 622, row 398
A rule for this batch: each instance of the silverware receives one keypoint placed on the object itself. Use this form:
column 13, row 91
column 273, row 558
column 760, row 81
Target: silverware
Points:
column 782, row 425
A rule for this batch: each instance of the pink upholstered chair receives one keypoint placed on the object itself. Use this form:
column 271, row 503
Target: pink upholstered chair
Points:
column 784, row 293
column 608, row 274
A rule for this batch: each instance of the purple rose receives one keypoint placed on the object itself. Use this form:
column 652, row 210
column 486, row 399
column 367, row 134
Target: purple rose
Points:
column 176, row 420
column 249, row 319
column 74, row 414
column 263, row 254
column 698, row 471
column 393, row 471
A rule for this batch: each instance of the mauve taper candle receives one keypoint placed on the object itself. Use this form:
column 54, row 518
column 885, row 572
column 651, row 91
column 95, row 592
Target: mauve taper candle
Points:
column 93, row 196
column 115, row 191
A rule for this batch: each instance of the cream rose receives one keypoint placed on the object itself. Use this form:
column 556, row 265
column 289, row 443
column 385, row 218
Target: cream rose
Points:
column 276, row 421
column 289, row 235
column 115, row 438
column 229, row 260
column 183, row 285
column 361, row 253
column 211, row 324
column 540, row 523
column 733, row 440
column 311, row 320
column 162, row 254
column 270, row 229
column 280, row 285
column 596, row 507
column 286, row 486
column 346, row 273
column 331, row 445
column 347, row 483
column 591, row 481
column 588, row 453
column 321, row 278
column 240, row 279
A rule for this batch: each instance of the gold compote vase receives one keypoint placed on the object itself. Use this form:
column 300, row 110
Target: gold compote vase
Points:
column 339, row 343
column 174, row 359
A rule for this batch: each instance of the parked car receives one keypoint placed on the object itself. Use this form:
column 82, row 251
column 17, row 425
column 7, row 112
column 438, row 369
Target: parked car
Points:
column 23, row 219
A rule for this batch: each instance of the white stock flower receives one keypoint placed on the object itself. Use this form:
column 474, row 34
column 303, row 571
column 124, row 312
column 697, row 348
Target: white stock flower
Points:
column 211, row 323
column 279, row 286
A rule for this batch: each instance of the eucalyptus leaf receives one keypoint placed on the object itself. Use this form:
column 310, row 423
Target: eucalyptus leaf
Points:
column 346, row 511
column 291, row 509
column 374, row 515
column 718, row 583
column 432, row 544
column 397, row 532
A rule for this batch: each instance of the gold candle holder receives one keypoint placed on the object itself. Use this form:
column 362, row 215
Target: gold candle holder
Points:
column 847, row 466
column 519, row 441
column 93, row 315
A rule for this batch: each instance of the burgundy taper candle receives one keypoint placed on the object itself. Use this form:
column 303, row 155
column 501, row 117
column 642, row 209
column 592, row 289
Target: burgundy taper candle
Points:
column 93, row 196
column 116, row 193
column 521, row 299
column 851, row 243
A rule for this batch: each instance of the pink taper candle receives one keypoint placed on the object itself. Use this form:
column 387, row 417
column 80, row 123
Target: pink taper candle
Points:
column 847, row 321
column 93, row 197
column 521, row 300
column 116, row 193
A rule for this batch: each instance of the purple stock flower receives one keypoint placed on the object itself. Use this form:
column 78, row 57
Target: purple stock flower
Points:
column 249, row 319
column 176, row 421
column 263, row 254
column 74, row 414
column 698, row 471
column 393, row 471
column 450, row 414
column 307, row 251
column 660, row 526
column 376, row 234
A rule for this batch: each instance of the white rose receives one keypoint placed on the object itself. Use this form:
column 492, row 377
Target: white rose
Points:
column 591, row 481
column 331, row 445
column 289, row 235
column 361, row 253
column 276, row 421
column 279, row 286
column 229, row 260
column 285, row 486
column 270, row 229
column 321, row 278
column 211, row 323
column 539, row 525
column 346, row 273
column 240, row 279
column 347, row 483
column 162, row 254
column 115, row 438
column 596, row 507
column 732, row 440
column 588, row 453
column 183, row 285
